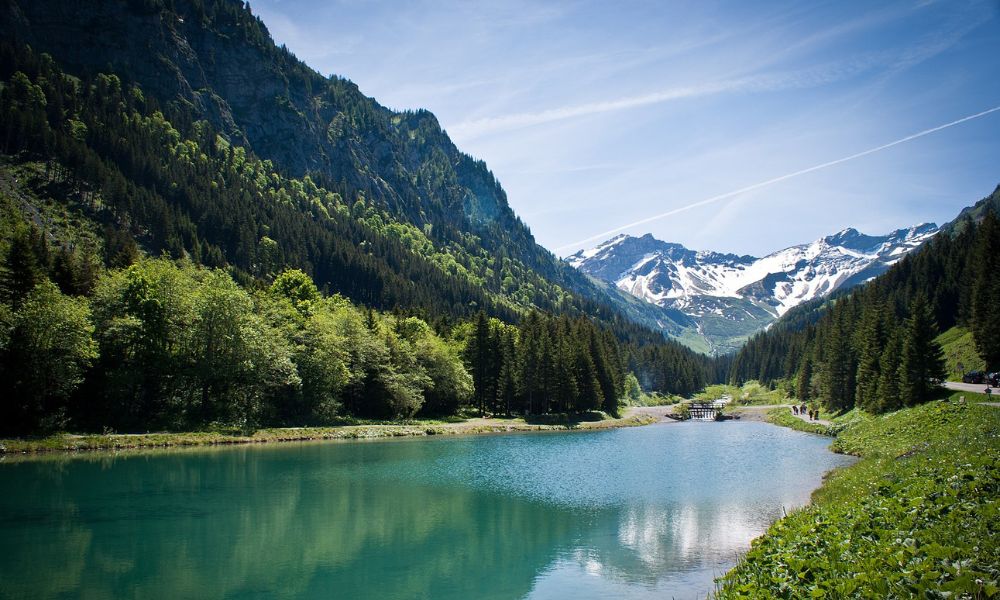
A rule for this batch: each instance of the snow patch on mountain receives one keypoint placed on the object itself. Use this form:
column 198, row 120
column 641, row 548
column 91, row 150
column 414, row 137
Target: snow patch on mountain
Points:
column 670, row 275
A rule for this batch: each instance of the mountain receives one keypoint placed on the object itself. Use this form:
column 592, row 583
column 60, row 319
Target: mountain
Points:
column 379, row 205
column 177, row 128
column 729, row 297
column 874, row 347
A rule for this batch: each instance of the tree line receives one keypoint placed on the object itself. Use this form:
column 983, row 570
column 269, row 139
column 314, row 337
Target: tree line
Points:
column 164, row 344
column 875, row 348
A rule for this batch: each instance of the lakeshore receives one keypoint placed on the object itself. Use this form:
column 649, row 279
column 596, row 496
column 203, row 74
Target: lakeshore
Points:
column 70, row 443
column 627, row 512
column 916, row 513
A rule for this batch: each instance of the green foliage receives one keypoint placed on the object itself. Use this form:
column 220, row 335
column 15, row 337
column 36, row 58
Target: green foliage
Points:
column 921, row 364
column 116, row 172
column 875, row 347
column 750, row 393
column 889, row 395
column 960, row 353
column 547, row 364
column 986, row 291
column 160, row 178
column 785, row 418
column 47, row 347
column 296, row 287
column 916, row 517
column 633, row 392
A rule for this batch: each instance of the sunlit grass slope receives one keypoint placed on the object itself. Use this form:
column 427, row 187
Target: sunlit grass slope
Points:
column 916, row 517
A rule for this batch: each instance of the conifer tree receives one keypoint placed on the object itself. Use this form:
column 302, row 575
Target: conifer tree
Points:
column 22, row 268
column 507, row 384
column 922, row 360
column 888, row 395
column 480, row 359
column 803, row 381
column 838, row 368
column 986, row 291
column 872, row 334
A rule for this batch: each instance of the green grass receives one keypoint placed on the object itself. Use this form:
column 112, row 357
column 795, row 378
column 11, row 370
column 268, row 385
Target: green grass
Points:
column 65, row 442
column 785, row 418
column 751, row 393
column 960, row 351
column 917, row 516
column 658, row 399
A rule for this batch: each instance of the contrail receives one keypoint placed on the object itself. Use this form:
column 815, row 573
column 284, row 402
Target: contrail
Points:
column 605, row 234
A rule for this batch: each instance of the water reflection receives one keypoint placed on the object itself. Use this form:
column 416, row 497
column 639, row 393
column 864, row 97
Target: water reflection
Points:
column 627, row 513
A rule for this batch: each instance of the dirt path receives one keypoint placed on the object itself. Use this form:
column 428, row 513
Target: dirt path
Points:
column 660, row 412
column 753, row 413
column 808, row 420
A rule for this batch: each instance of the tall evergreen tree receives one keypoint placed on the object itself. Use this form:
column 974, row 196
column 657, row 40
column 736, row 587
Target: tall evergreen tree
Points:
column 888, row 395
column 803, row 380
column 507, row 384
column 922, row 360
column 22, row 268
column 838, row 367
column 986, row 291
column 872, row 337
column 480, row 360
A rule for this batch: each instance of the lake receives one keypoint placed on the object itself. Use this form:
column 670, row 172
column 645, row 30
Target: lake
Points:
column 643, row 512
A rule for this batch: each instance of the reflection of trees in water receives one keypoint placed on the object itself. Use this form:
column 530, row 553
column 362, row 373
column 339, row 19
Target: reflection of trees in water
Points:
column 241, row 522
column 432, row 518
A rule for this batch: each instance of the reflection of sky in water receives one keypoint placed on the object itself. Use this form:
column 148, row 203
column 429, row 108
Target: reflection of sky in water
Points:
column 687, row 499
column 633, row 513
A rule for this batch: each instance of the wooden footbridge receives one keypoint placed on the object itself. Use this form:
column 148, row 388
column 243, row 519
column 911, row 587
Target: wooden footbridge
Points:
column 704, row 411
column 707, row 411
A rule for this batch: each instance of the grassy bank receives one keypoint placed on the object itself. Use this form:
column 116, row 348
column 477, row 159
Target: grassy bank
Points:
column 917, row 516
column 960, row 353
column 66, row 442
column 784, row 417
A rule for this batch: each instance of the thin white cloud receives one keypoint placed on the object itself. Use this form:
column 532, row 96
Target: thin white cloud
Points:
column 807, row 78
column 605, row 234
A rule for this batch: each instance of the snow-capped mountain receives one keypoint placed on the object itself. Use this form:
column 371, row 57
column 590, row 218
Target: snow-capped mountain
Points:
column 720, row 291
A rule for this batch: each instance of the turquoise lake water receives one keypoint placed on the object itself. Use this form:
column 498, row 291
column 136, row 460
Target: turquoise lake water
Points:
column 644, row 512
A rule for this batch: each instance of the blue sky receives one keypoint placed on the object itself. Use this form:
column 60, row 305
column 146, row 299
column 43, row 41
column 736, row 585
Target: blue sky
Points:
column 596, row 114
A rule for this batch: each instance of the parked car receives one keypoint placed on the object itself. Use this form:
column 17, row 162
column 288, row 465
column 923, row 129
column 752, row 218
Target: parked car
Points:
column 974, row 377
column 993, row 379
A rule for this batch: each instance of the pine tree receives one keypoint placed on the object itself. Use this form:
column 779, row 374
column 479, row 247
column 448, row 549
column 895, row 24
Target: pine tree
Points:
column 480, row 360
column 872, row 340
column 838, row 368
column 507, row 384
column 22, row 268
column 803, row 381
column 888, row 395
column 922, row 360
column 986, row 291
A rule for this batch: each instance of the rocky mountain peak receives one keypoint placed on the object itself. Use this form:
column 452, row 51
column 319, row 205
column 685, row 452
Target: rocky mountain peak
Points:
column 731, row 296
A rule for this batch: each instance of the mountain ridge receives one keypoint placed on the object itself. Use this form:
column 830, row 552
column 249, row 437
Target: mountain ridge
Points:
column 743, row 289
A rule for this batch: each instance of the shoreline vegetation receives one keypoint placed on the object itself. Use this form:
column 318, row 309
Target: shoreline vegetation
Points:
column 916, row 516
column 68, row 443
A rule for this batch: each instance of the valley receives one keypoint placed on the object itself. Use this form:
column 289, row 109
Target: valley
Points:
column 268, row 331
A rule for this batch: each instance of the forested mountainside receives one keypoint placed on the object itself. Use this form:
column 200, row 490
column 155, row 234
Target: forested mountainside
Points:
column 97, row 172
column 875, row 347
column 212, row 65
